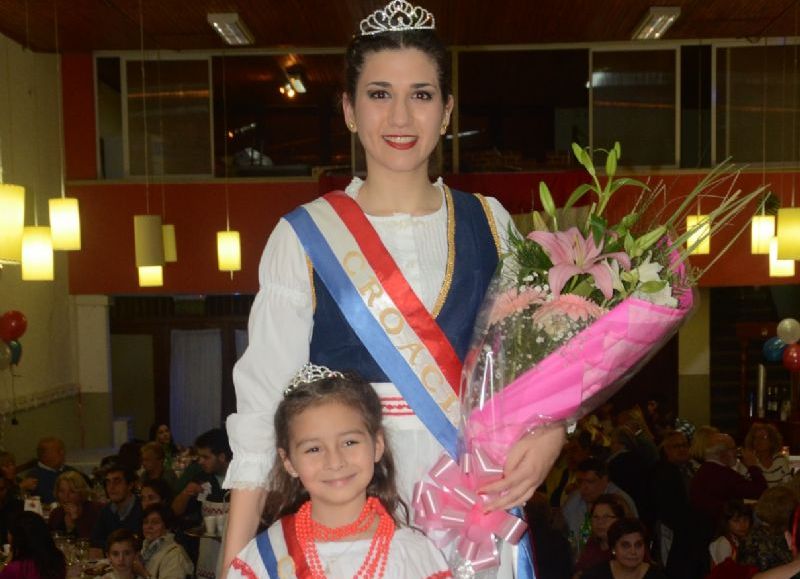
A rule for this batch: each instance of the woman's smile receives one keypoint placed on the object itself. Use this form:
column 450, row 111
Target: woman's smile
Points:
column 401, row 142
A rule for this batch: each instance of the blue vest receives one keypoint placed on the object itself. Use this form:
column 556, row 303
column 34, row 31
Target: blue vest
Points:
column 335, row 345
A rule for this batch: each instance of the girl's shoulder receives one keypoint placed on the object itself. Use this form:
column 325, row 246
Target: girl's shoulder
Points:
column 416, row 555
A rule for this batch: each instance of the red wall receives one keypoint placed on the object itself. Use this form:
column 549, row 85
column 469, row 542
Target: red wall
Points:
column 105, row 265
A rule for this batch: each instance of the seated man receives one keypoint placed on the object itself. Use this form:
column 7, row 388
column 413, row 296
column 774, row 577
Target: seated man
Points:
column 122, row 512
column 213, row 455
column 152, row 458
column 592, row 479
column 51, row 456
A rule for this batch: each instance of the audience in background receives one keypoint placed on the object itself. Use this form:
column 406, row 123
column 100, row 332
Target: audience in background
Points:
column 765, row 441
column 51, row 457
column 34, row 554
column 737, row 519
column 161, row 555
column 76, row 515
column 155, row 491
column 8, row 470
column 629, row 557
column 604, row 512
column 161, row 434
column 152, row 459
column 765, row 546
column 124, row 511
column 122, row 550
column 9, row 507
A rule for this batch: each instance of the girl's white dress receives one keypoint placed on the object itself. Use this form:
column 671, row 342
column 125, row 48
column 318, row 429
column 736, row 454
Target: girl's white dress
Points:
column 411, row 556
column 279, row 332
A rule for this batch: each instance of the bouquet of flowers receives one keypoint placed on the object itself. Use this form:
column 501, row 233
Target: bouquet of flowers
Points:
column 575, row 309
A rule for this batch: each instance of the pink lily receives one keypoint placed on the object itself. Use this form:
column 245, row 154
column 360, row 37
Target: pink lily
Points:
column 572, row 254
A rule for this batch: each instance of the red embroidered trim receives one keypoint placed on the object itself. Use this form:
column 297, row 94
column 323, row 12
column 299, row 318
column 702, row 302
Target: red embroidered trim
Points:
column 441, row 575
column 395, row 406
column 244, row 568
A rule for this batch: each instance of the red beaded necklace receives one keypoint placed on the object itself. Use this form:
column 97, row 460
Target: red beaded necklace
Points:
column 309, row 531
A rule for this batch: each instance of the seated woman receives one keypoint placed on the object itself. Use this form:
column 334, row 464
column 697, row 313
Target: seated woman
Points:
column 152, row 459
column 605, row 511
column 792, row 537
column 154, row 492
column 627, row 539
column 766, row 442
column 161, row 555
column 737, row 518
column 765, row 546
column 34, row 555
column 75, row 515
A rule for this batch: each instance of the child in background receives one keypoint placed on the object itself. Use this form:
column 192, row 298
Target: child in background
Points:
column 737, row 518
column 122, row 550
column 335, row 508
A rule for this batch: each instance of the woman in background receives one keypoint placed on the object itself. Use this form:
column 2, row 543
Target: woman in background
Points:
column 34, row 554
column 75, row 515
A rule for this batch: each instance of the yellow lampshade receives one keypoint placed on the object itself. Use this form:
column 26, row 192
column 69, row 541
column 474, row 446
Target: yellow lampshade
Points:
column 149, row 240
column 762, row 230
column 700, row 229
column 151, row 276
column 229, row 252
column 65, row 223
column 170, row 247
column 37, row 254
column 779, row 267
column 789, row 233
column 12, row 221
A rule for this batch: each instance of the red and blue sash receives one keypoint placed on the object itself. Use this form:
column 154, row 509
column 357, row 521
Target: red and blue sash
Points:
column 382, row 309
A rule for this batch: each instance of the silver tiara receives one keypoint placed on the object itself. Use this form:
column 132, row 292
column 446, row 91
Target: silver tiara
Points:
column 310, row 373
column 396, row 16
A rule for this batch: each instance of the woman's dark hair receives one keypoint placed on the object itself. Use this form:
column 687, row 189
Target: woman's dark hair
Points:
column 152, row 435
column 161, row 488
column 613, row 502
column 122, row 536
column 426, row 41
column 625, row 527
column 163, row 511
column 733, row 509
column 286, row 493
column 31, row 540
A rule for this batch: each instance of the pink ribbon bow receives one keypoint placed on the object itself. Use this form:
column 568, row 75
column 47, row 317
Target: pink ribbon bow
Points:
column 451, row 506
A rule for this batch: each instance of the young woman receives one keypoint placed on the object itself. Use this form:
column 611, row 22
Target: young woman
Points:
column 628, row 547
column 336, row 509
column 34, row 555
column 384, row 279
column 162, row 557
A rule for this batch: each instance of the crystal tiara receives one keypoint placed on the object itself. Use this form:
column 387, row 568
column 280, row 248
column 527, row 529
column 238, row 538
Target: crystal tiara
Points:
column 310, row 373
column 398, row 15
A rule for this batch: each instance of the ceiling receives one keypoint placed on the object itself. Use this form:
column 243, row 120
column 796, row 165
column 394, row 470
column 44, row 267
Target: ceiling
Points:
column 89, row 25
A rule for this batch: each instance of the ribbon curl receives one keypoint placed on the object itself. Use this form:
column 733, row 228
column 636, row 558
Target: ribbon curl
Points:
column 449, row 509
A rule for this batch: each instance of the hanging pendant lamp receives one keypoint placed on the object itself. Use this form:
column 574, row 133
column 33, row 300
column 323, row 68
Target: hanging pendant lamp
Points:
column 229, row 251
column 762, row 230
column 151, row 276
column 700, row 227
column 65, row 223
column 12, row 222
column 789, row 233
column 170, row 246
column 149, row 241
column 37, row 254
column 779, row 267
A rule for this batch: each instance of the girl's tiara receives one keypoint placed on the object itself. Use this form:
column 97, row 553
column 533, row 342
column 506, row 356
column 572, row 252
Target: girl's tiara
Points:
column 310, row 373
column 398, row 15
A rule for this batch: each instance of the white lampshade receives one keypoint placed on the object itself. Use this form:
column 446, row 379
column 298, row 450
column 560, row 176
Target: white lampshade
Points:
column 37, row 254
column 151, row 276
column 149, row 240
column 789, row 233
column 170, row 246
column 12, row 221
column 779, row 267
column 65, row 223
column 762, row 230
column 229, row 252
column 701, row 228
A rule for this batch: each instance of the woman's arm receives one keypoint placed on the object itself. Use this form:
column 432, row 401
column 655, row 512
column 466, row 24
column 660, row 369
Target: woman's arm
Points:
column 786, row 571
column 246, row 508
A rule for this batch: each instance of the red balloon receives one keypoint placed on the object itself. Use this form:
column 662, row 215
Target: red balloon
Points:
column 791, row 357
column 13, row 324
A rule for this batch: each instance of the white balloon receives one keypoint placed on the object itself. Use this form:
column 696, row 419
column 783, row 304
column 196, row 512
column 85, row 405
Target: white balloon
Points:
column 5, row 356
column 789, row 330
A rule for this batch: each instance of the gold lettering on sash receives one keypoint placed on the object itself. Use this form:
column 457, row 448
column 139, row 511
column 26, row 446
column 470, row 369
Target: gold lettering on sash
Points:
column 427, row 371
column 349, row 267
column 391, row 320
column 415, row 348
column 371, row 290
column 448, row 402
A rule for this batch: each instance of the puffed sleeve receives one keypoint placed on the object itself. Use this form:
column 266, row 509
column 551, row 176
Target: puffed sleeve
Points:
column 279, row 333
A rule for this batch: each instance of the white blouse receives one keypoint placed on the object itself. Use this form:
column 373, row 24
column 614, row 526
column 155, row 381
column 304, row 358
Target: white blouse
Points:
column 281, row 322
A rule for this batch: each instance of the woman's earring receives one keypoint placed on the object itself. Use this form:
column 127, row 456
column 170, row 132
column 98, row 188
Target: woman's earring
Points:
column 352, row 126
column 444, row 127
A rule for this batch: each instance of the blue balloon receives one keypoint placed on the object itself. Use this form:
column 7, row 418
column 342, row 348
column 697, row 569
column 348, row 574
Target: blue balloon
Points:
column 773, row 349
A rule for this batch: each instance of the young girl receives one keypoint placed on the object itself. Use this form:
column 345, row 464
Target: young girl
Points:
column 335, row 508
column 737, row 518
